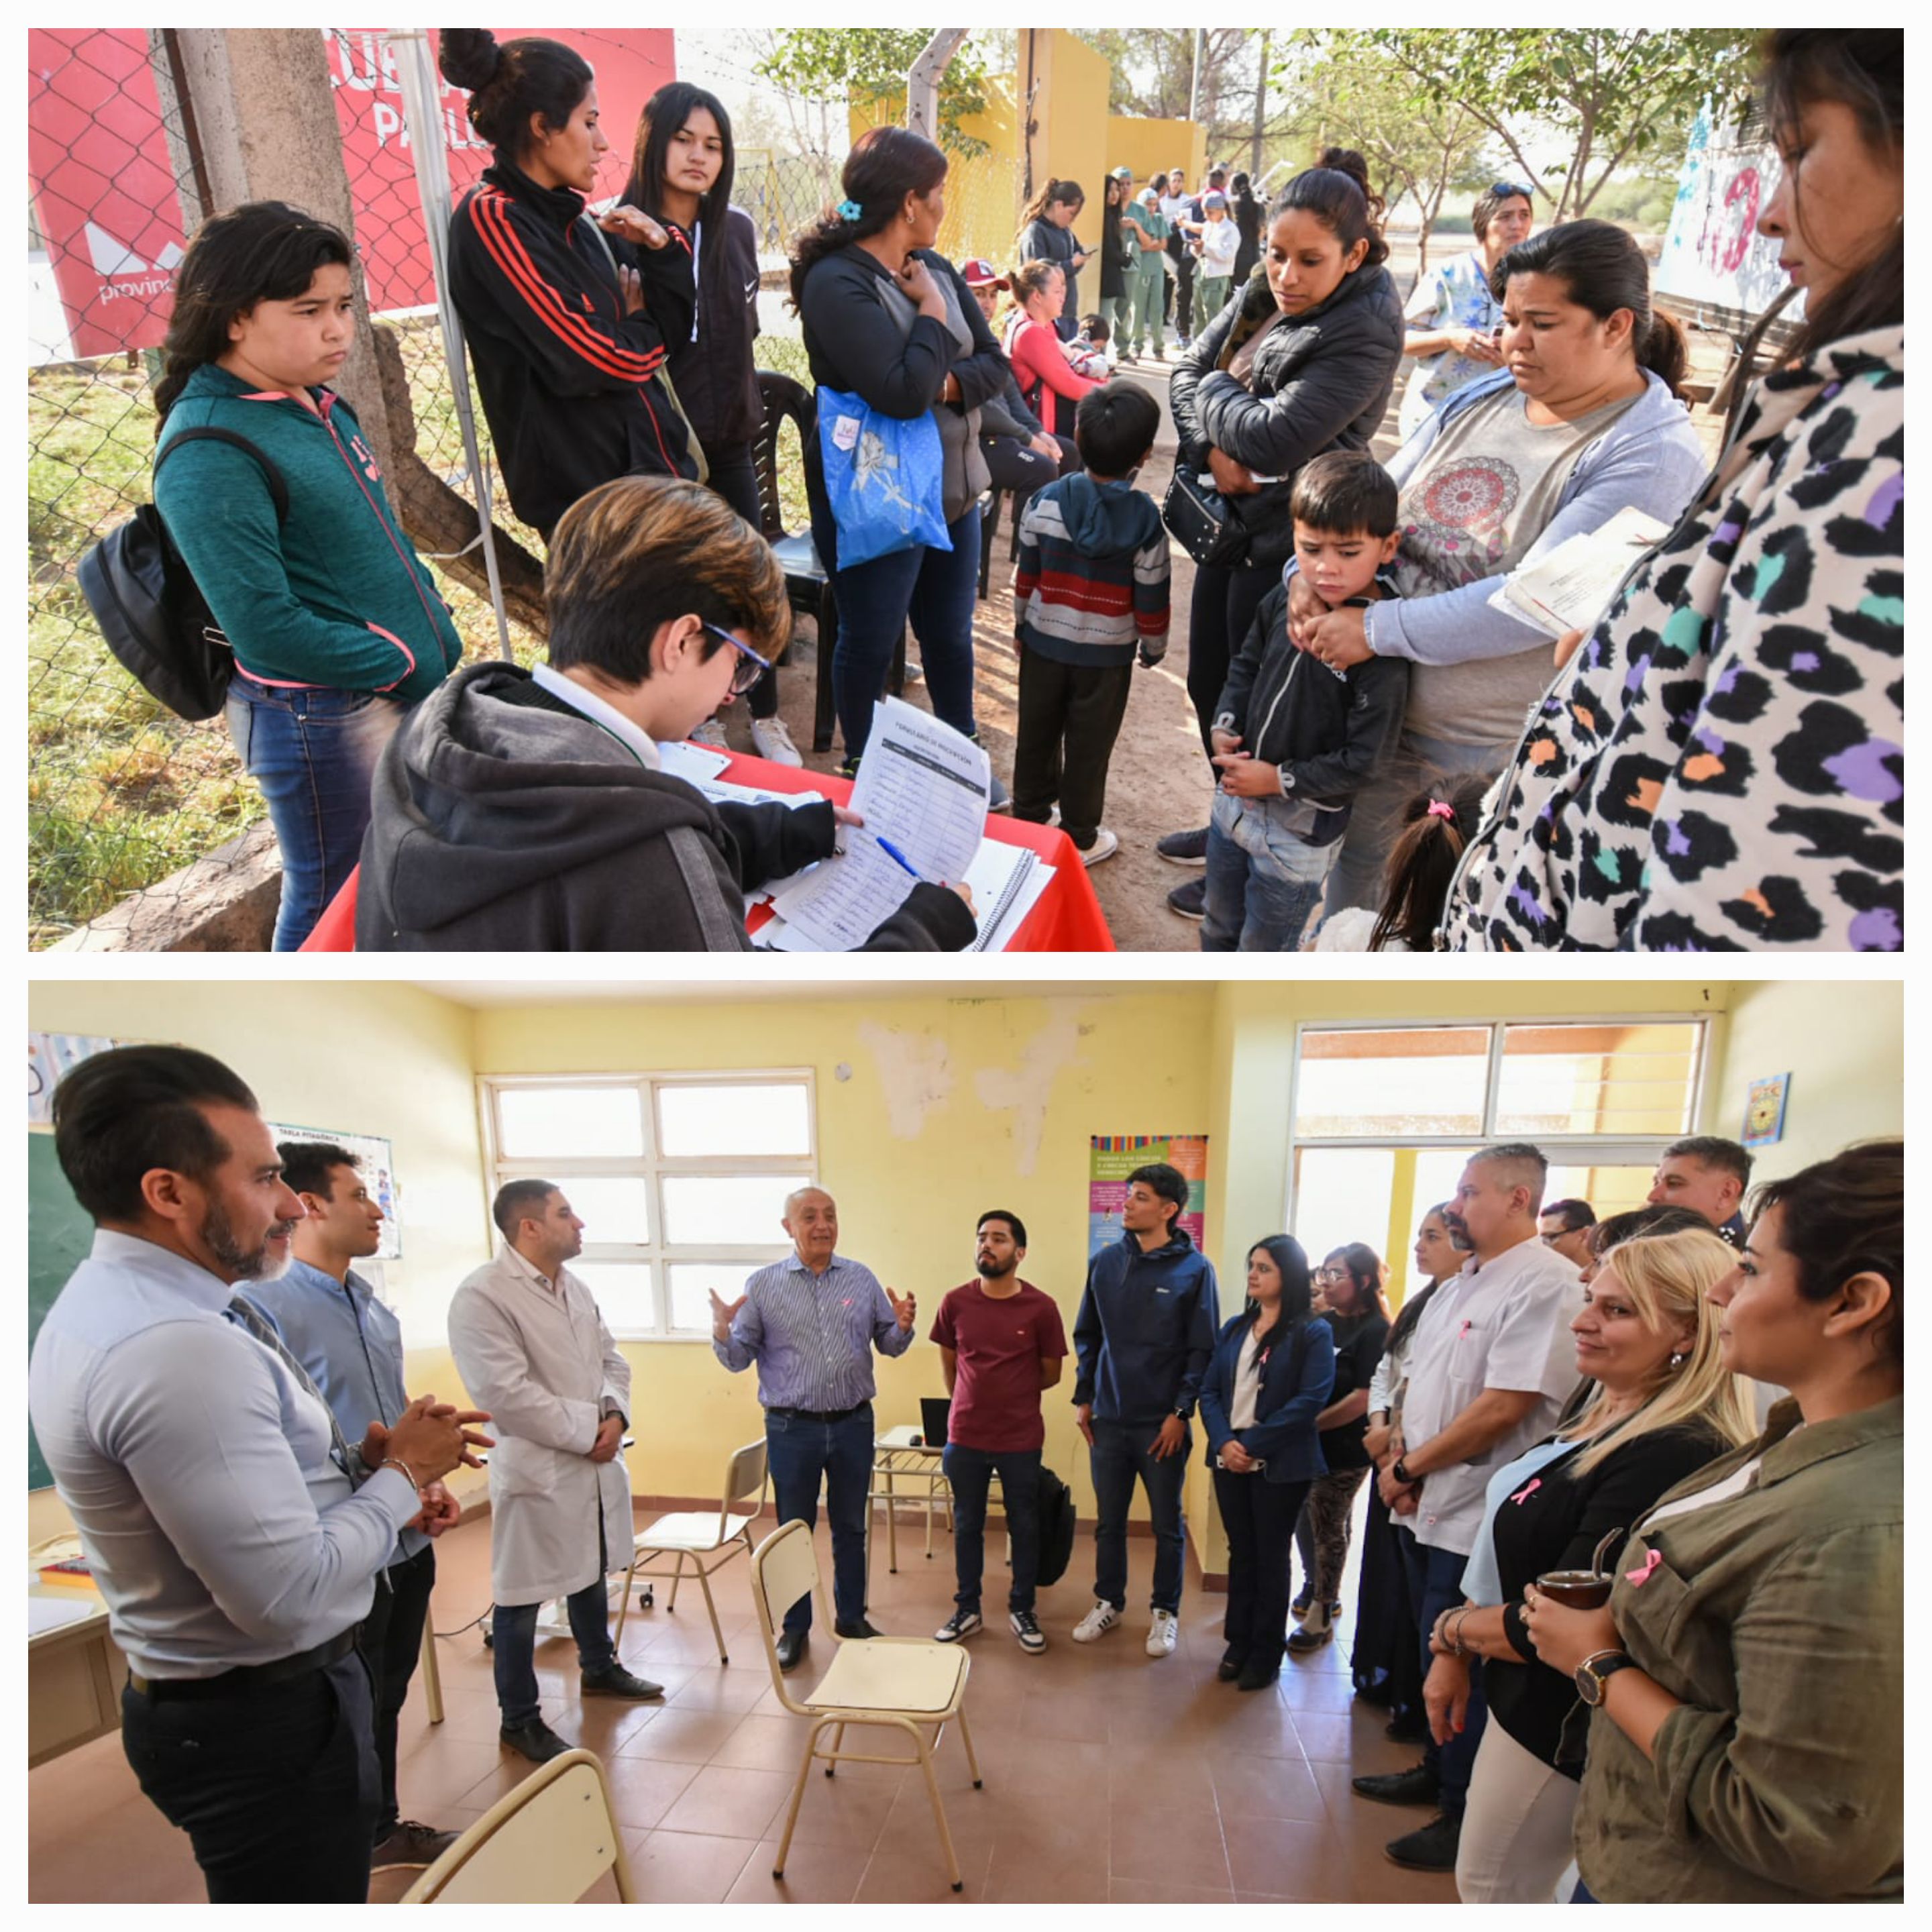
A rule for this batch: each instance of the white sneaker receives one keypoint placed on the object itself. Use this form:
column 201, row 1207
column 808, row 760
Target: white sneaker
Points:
column 774, row 742
column 1096, row 1623
column 1105, row 845
column 711, row 733
column 1162, row 1634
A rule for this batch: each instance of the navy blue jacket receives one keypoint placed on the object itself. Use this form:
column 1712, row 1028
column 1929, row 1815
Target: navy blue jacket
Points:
column 1283, row 1436
column 1145, row 1330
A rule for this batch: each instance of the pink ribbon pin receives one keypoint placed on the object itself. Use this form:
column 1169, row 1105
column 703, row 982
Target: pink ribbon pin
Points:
column 1529, row 1489
column 1641, row 1575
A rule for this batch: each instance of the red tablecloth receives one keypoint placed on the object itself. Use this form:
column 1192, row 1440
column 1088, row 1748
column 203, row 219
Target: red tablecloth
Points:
column 1067, row 918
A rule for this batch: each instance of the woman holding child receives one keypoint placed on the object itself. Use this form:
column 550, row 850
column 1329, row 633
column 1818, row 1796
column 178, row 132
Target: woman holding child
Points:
column 1584, row 421
column 1303, row 360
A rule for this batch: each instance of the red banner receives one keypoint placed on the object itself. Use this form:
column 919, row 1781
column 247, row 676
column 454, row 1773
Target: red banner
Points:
column 103, row 183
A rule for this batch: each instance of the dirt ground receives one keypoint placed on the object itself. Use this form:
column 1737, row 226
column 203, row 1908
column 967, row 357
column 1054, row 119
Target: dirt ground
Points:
column 1159, row 780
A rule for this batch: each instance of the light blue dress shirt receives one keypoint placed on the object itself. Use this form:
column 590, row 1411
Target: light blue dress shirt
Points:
column 220, row 1529
column 812, row 1335
column 351, row 1345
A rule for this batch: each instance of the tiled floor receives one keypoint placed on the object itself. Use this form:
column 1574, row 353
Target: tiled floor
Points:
column 1110, row 1775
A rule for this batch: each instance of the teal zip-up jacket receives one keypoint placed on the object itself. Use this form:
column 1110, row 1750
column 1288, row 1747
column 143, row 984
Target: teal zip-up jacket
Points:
column 335, row 596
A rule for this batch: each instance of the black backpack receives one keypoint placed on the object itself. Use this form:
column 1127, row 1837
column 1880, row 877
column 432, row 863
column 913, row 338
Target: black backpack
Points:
column 148, row 606
column 1056, row 1528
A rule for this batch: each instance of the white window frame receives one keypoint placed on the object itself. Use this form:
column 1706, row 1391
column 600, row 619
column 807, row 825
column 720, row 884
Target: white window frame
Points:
column 654, row 1167
column 1563, row 1150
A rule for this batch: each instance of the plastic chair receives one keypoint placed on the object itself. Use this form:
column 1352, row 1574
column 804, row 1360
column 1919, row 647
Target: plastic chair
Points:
column 546, row 1842
column 900, row 1683
column 807, row 582
column 696, row 1534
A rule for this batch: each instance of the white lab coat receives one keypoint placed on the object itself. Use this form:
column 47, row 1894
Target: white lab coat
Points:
column 542, row 1362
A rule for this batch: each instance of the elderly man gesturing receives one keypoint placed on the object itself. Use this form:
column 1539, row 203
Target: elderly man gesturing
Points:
column 811, row 1322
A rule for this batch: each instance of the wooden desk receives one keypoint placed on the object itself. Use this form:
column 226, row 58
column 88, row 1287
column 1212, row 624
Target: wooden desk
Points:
column 74, row 1675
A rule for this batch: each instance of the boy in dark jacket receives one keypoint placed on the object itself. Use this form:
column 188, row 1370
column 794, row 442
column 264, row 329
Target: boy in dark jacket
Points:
column 1294, row 741
column 1093, row 581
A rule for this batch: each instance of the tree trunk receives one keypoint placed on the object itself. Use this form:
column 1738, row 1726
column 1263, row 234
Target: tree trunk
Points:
column 1261, row 104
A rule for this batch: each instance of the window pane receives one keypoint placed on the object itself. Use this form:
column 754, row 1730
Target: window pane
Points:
column 1422, row 1080
column 701, row 1120
column 553, row 1122
column 691, row 1283
column 725, row 1210
column 1596, row 1079
column 1609, row 1190
column 623, row 1292
column 613, row 1207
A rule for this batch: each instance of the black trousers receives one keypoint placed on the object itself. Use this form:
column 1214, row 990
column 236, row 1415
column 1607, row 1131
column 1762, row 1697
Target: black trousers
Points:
column 1386, row 1660
column 1069, row 717
column 735, row 477
column 1013, row 465
column 276, row 1787
column 391, row 1644
column 1259, row 1518
column 1224, row 606
column 1182, row 286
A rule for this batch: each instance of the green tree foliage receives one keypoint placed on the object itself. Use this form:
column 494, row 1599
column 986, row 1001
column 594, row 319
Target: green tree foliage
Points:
column 1617, row 96
column 868, row 65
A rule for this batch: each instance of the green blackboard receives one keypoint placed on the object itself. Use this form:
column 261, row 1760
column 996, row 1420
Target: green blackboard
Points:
column 59, row 1234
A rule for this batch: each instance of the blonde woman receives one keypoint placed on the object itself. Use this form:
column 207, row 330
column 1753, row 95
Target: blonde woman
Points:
column 1664, row 1405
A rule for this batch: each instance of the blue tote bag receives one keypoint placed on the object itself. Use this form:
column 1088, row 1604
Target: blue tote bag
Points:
column 884, row 478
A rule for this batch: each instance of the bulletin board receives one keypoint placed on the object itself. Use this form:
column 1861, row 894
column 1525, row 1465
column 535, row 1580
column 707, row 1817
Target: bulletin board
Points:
column 1112, row 1157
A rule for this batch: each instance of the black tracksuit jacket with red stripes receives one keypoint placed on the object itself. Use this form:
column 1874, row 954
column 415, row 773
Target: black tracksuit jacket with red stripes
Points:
column 569, row 382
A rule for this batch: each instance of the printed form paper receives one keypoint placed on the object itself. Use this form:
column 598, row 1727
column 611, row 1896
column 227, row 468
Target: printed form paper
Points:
column 1571, row 587
column 922, row 785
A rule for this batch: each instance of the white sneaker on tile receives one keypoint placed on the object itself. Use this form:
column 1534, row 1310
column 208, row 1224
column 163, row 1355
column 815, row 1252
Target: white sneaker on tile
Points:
column 1163, row 1633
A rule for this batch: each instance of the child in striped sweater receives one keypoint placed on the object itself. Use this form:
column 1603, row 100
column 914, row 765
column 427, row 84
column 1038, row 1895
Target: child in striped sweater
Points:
column 1092, row 584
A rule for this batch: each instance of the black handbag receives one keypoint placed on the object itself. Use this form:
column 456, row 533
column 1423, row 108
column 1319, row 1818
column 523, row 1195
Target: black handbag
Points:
column 1203, row 522
column 150, row 609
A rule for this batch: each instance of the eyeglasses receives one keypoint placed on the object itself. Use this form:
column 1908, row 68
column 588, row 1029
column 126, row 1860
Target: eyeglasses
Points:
column 750, row 667
column 1331, row 1274
column 1509, row 191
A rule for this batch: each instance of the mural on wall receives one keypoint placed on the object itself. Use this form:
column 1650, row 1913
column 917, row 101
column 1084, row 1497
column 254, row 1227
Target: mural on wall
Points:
column 1712, row 253
column 1112, row 1157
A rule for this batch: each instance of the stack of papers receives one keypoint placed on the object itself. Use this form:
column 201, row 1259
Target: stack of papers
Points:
column 1569, row 588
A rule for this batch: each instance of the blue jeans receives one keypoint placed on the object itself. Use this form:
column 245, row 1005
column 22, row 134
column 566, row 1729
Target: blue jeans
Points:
column 1121, row 1452
column 1435, row 1583
column 936, row 589
column 313, row 753
column 513, row 1641
column 970, row 1472
column 799, row 1454
column 1263, row 880
column 1376, row 821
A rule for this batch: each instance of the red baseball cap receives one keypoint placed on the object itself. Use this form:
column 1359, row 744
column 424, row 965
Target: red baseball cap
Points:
column 978, row 274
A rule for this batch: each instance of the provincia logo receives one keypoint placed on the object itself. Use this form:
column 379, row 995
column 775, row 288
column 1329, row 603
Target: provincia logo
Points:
column 126, row 275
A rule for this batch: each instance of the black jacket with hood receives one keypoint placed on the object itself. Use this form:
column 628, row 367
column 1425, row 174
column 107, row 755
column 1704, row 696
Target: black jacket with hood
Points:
column 1328, row 730
column 569, row 382
column 505, row 820
column 706, row 305
column 1321, row 381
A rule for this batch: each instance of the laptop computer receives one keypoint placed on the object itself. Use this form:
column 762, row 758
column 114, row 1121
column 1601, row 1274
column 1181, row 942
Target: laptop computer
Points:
column 934, row 1410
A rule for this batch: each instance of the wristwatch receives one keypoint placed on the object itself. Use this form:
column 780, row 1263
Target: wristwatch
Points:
column 1591, row 1672
column 1399, row 1469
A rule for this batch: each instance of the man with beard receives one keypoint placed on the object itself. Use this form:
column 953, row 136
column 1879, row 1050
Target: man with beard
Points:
column 212, row 1491
column 1001, row 1343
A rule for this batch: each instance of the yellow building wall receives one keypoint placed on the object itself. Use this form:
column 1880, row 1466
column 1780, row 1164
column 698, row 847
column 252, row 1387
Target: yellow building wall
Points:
column 982, row 191
column 1150, row 146
column 1071, row 82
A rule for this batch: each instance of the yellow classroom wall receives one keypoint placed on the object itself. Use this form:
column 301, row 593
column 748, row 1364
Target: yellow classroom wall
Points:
column 932, row 1107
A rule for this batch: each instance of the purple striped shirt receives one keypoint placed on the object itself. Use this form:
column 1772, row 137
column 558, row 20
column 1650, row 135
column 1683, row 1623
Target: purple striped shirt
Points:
column 812, row 1335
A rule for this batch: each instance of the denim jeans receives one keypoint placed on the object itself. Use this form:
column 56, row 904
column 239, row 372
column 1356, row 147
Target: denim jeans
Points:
column 513, row 1640
column 1121, row 1451
column 276, row 1787
column 1376, row 822
column 970, row 1472
column 936, row 589
column 1435, row 1582
column 1263, row 880
column 799, row 1454
column 1258, row 1517
column 313, row 753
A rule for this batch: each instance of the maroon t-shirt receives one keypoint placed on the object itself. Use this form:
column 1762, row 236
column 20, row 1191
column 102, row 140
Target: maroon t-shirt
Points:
column 999, row 1343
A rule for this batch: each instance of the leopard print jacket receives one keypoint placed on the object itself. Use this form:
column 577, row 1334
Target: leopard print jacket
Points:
column 1721, row 766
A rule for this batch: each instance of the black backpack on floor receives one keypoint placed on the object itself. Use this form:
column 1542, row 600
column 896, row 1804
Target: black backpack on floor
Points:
column 1056, row 1528
column 148, row 606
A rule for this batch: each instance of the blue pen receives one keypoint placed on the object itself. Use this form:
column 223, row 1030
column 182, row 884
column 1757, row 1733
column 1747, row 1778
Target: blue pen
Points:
column 899, row 858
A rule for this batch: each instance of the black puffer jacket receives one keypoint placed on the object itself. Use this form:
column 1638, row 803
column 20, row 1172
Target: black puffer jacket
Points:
column 715, row 370
column 1321, row 380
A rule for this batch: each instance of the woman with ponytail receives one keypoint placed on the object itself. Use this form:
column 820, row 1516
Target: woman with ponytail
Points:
column 568, row 357
column 1438, row 823
column 1046, row 234
column 1583, row 421
column 1721, row 766
column 336, row 627
column 889, row 319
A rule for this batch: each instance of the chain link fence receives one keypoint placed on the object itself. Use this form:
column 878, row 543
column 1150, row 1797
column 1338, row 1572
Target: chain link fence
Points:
column 122, row 795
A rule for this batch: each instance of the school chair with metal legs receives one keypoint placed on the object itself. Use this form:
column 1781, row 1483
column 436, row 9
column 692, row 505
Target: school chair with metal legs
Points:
column 904, row 1684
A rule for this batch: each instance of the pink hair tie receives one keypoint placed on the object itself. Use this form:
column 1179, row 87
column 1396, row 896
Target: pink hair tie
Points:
column 1437, row 809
